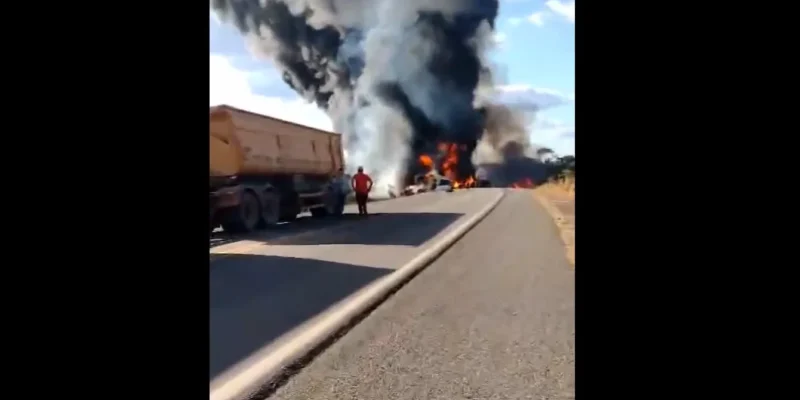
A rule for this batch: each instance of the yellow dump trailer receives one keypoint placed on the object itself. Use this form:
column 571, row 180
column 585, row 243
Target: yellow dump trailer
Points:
column 264, row 170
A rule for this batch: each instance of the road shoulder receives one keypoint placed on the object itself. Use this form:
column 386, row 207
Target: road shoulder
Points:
column 561, row 207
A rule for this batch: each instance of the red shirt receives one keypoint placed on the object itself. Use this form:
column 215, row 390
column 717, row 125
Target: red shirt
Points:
column 362, row 182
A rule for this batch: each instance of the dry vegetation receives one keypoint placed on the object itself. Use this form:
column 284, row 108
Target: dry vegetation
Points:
column 562, row 187
column 558, row 198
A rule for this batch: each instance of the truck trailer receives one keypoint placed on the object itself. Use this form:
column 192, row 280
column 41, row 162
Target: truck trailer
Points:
column 265, row 170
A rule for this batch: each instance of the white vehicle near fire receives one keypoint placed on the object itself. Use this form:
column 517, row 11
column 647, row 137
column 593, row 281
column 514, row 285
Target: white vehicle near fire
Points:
column 439, row 184
column 443, row 185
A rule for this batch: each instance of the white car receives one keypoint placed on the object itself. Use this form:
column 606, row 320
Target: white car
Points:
column 443, row 185
column 412, row 190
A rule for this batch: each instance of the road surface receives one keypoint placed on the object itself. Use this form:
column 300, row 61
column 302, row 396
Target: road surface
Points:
column 493, row 318
column 264, row 292
column 304, row 223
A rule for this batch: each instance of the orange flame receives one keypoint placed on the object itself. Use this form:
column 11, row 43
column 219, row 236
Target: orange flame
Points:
column 426, row 160
column 523, row 184
column 450, row 160
column 449, row 156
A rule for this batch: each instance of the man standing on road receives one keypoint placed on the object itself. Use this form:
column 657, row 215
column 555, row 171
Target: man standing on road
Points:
column 362, row 184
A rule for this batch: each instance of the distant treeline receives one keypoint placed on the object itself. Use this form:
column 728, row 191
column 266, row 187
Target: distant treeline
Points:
column 558, row 168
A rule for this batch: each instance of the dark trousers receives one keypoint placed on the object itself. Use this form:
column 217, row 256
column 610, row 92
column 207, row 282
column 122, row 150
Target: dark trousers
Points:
column 361, row 199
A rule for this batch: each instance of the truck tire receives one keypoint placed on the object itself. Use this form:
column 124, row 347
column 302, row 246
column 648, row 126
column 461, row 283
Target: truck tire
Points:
column 289, row 218
column 319, row 212
column 271, row 210
column 332, row 204
column 245, row 217
column 291, row 208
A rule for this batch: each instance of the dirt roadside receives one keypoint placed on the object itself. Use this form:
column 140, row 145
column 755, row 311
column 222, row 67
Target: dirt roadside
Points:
column 560, row 204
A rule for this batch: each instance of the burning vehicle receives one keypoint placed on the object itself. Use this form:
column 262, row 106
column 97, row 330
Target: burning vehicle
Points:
column 444, row 163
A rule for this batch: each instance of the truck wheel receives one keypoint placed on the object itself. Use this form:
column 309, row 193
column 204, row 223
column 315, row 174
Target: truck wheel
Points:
column 319, row 212
column 332, row 206
column 271, row 213
column 289, row 218
column 245, row 218
column 291, row 208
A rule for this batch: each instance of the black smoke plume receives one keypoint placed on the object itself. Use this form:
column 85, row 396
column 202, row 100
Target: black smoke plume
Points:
column 396, row 77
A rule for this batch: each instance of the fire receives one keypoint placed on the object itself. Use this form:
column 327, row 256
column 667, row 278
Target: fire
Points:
column 523, row 184
column 450, row 160
column 449, row 156
column 426, row 160
column 466, row 183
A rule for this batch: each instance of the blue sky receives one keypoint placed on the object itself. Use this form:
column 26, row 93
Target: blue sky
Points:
column 535, row 58
column 537, row 51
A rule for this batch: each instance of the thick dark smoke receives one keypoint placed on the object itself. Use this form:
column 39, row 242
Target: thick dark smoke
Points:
column 396, row 77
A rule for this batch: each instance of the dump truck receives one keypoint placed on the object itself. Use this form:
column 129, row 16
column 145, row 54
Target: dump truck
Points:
column 265, row 170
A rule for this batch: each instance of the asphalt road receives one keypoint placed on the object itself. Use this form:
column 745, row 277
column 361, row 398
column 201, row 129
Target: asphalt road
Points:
column 264, row 292
column 304, row 223
column 493, row 318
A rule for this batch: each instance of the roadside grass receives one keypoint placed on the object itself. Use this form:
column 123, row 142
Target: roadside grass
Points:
column 560, row 190
column 563, row 187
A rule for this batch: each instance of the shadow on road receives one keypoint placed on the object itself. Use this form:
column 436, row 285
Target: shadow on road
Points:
column 302, row 224
column 254, row 299
column 399, row 229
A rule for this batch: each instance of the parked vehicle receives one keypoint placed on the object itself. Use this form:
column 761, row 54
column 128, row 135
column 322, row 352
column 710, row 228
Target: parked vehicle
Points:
column 264, row 170
column 443, row 185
